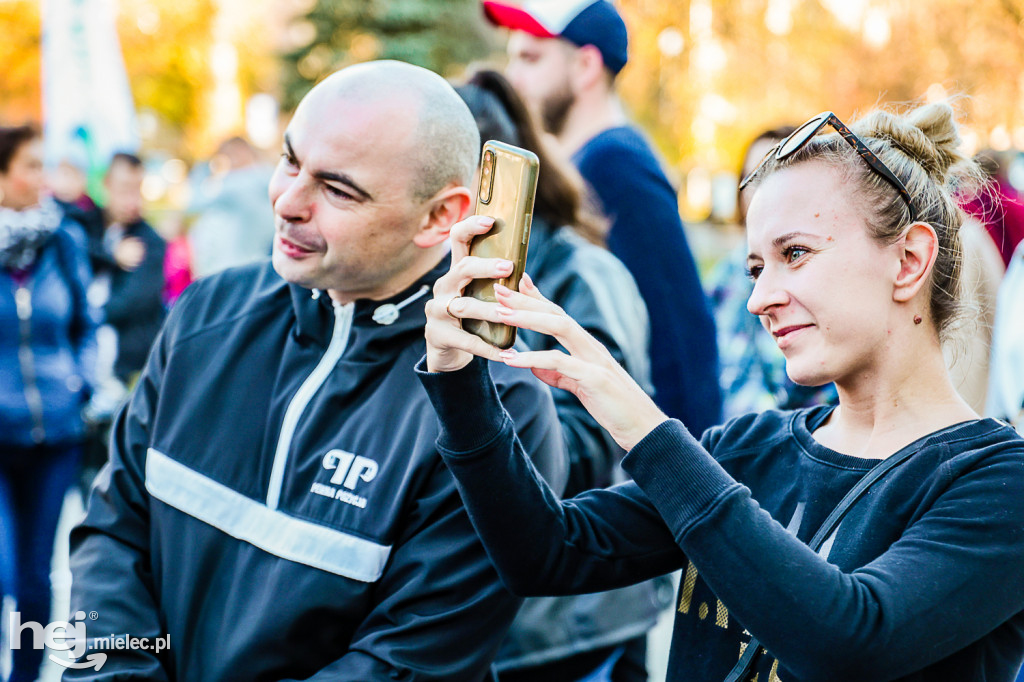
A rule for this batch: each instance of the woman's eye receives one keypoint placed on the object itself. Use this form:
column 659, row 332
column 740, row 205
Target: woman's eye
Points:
column 794, row 253
column 754, row 271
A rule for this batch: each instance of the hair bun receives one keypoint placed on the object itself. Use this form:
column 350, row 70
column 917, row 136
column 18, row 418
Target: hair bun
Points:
column 927, row 134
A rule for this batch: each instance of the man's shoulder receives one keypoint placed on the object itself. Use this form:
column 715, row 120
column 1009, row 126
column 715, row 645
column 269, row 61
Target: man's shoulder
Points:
column 621, row 142
column 232, row 294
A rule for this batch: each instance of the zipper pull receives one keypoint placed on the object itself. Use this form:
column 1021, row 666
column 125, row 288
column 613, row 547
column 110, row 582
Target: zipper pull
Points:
column 23, row 302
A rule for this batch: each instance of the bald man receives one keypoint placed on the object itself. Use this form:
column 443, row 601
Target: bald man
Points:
column 274, row 507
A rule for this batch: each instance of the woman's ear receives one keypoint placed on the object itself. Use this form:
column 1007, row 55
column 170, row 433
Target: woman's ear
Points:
column 918, row 250
column 448, row 207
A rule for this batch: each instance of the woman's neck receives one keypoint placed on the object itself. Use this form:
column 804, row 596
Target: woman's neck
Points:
column 892, row 406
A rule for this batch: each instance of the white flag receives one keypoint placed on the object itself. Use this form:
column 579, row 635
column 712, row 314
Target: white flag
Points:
column 88, row 112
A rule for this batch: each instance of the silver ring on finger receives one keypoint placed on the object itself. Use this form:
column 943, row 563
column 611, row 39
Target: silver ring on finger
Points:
column 448, row 307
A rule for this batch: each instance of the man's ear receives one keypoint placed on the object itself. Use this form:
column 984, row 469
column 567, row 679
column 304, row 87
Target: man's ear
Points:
column 589, row 67
column 447, row 207
column 918, row 250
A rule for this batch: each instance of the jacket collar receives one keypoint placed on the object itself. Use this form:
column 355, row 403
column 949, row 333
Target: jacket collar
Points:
column 314, row 317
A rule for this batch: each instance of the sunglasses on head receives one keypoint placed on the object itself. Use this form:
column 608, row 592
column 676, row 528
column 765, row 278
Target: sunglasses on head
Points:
column 802, row 135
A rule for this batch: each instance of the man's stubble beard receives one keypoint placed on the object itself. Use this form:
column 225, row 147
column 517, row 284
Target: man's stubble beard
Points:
column 554, row 110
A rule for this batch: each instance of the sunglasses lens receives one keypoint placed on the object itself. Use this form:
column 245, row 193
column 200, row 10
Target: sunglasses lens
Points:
column 800, row 137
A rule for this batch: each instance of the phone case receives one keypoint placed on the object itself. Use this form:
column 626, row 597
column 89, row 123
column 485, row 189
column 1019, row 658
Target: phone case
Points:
column 508, row 185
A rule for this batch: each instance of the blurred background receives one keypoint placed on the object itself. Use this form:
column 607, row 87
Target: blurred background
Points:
column 704, row 77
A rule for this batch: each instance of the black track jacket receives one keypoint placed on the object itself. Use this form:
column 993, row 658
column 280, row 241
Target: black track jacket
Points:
column 275, row 502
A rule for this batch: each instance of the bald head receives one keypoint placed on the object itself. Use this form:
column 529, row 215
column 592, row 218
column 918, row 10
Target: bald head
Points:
column 443, row 142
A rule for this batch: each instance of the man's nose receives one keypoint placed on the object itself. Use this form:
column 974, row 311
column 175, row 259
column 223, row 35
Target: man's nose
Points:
column 291, row 198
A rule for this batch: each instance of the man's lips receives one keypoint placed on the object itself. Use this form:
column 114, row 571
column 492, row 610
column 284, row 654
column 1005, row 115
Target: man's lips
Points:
column 294, row 248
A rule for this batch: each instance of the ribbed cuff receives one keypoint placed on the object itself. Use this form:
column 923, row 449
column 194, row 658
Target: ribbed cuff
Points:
column 468, row 409
column 677, row 474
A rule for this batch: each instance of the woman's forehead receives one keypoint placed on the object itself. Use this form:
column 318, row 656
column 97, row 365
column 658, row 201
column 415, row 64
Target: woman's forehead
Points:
column 810, row 198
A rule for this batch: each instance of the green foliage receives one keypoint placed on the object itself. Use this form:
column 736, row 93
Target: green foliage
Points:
column 440, row 35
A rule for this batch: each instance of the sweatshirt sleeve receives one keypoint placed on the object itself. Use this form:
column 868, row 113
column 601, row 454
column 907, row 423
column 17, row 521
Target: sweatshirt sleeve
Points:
column 929, row 595
column 540, row 546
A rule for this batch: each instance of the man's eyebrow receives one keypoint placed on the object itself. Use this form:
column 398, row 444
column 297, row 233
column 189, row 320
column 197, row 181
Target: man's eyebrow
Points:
column 331, row 176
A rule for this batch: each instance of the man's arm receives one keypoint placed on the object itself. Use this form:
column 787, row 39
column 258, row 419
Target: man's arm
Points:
column 139, row 292
column 75, row 265
column 440, row 610
column 110, row 563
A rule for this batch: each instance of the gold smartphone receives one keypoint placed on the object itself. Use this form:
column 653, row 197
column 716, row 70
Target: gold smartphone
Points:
column 508, row 185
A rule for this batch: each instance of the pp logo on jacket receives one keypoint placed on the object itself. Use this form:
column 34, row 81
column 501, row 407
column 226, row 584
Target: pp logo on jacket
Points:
column 349, row 469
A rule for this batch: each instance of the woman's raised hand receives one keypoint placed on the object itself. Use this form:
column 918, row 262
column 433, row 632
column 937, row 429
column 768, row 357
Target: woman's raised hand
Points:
column 449, row 348
column 588, row 370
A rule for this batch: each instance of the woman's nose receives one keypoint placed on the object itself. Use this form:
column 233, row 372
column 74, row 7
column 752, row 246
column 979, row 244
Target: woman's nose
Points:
column 767, row 294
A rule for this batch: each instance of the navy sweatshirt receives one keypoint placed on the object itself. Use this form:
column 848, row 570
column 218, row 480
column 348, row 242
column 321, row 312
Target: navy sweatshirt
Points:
column 647, row 236
column 923, row 579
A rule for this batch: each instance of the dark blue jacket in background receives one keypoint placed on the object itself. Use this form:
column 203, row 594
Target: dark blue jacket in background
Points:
column 59, row 351
column 275, row 502
column 647, row 236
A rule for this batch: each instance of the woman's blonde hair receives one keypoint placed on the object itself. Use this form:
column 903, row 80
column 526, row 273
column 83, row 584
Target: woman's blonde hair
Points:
column 922, row 148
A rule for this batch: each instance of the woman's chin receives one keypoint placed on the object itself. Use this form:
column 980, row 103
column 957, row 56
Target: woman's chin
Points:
column 806, row 377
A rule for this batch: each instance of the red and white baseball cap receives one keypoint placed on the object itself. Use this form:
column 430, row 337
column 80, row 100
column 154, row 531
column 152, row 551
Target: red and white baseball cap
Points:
column 581, row 22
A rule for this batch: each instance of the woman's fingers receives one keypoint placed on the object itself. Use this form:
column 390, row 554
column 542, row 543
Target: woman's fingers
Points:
column 462, row 307
column 462, row 234
column 547, row 318
column 447, row 346
column 466, row 270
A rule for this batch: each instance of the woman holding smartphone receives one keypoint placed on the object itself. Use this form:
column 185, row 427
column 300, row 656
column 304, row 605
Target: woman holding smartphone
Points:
column 880, row 539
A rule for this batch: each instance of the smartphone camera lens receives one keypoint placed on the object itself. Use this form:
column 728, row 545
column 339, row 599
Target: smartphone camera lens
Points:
column 486, row 176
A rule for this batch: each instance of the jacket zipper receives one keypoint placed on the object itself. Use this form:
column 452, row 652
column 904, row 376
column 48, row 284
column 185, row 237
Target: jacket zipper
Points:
column 339, row 341
column 23, row 305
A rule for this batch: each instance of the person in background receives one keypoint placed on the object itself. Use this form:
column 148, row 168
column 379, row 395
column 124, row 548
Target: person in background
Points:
column 564, row 56
column 1006, row 375
column 968, row 343
column 177, row 261
column 1000, row 206
column 47, row 352
column 878, row 539
column 68, row 184
column 135, row 266
column 234, row 226
column 752, row 368
column 555, row 639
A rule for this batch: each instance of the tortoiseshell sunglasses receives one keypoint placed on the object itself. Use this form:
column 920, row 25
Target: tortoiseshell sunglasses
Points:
column 803, row 135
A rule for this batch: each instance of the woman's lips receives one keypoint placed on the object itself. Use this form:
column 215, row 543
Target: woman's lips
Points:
column 785, row 335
